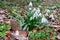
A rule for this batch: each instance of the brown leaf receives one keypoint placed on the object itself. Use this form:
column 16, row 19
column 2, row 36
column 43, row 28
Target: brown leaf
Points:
column 14, row 25
column 23, row 33
column 6, row 38
column 8, row 33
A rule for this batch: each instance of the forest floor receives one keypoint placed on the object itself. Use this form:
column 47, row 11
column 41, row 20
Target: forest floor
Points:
column 10, row 17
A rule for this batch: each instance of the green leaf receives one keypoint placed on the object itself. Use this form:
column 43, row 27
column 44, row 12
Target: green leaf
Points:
column 5, row 26
column 18, row 15
column 21, row 24
column 15, row 7
column 1, row 28
column 2, row 34
column 30, row 33
column 25, row 27
column 43, row 35
column 48, row 30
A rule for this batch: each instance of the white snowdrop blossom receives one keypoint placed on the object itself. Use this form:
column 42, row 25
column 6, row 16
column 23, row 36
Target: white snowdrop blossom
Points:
column 52, row 17
column 47, row 10
column 30, row 4
column 39, row 14
column 33, row 10
column 17, row 33
column 36, row 13
column 38, row 10
column 30, row 8
column 44, row 20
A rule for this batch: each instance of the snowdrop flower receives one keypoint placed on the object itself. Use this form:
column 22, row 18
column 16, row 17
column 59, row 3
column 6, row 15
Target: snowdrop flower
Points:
column 38, row 10
column 34, row 10
column 44, row 20
column 30, row 8
column 17, row 33
column 30, row 4
column 52, row 17
column 47, row 10
column 36, row 14
column 39, row 14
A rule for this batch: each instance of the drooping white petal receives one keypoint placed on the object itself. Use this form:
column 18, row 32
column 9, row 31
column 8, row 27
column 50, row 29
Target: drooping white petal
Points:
column 34, row 10
column 38, row 10
column 44, row 20
column 40, row 14
column 30, row 4
column 30, row 8
column 36, row 14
